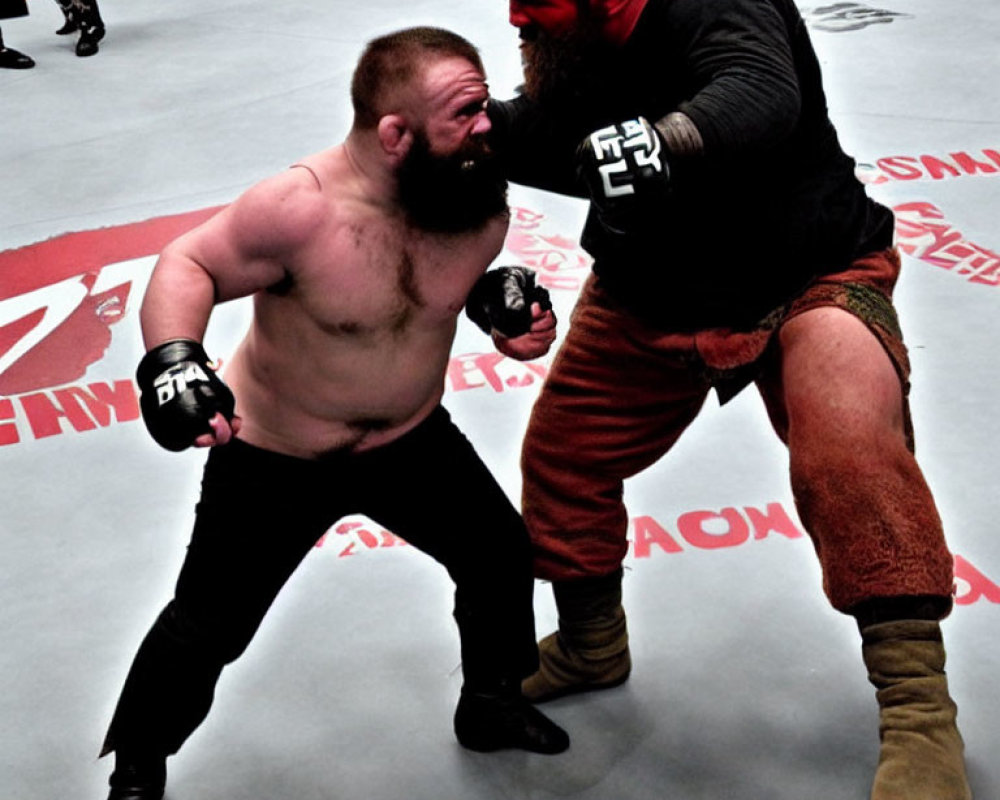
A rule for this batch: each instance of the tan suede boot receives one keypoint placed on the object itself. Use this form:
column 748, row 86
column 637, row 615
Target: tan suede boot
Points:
column 590, row 649
column 922, row 751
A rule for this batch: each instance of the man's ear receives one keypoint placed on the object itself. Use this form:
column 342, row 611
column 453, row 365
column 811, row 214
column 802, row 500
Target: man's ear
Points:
column 395, row 136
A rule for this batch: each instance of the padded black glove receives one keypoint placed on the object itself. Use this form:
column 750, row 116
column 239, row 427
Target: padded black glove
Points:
column 625, row 169
column 502, row 299
column 180, row 393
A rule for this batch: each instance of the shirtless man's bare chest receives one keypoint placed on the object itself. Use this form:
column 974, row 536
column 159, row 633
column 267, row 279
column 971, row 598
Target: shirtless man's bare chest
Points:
column 349, row 349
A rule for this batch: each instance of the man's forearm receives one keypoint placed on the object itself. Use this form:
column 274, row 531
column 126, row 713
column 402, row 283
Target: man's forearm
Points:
column 178, row 301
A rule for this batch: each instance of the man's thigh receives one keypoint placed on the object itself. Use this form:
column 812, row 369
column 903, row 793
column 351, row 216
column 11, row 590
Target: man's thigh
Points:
column 832, row 369
column 839, row 356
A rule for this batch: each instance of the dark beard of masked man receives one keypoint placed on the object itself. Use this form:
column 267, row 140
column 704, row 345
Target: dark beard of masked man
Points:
column 560, row 67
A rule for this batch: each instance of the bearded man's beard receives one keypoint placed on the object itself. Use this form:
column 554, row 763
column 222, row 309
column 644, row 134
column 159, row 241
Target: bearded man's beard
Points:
column 559, row 70
column 456, row 193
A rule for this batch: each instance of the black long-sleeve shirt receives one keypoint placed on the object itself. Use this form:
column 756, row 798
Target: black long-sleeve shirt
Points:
column 771, row 203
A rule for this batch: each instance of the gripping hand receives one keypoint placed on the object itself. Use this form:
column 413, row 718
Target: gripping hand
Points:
column 623, row 167
column 501, row 300
column 180, row 393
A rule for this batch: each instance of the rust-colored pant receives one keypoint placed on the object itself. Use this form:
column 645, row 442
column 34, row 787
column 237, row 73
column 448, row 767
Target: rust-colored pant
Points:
column 620, row 393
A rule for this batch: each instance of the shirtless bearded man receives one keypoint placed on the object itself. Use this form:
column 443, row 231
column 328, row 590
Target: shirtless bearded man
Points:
column 359, row 260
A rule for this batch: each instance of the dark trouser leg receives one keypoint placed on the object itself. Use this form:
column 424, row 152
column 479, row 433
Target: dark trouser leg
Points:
column 249, row 536
column 433, row 490
column 71, row 16
column 444, row 501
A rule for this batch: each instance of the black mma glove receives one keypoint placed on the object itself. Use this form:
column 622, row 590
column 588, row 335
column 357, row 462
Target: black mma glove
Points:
column 625, row 170
column 502, row 299
column 180, row 393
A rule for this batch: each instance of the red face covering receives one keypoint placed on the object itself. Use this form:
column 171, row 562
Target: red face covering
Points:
column 620, row 17
column 552, row 16
column 555, row 17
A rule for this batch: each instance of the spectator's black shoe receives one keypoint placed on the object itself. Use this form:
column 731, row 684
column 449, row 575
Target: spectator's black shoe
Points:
column 12, row 59
column 488, row 721
column 89, row 37
column 138, row 779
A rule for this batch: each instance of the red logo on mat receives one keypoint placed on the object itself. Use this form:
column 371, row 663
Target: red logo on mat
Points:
column 924, row 232
column 58, row 301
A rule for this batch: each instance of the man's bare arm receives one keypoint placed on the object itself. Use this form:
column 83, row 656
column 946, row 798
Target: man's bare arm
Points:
column 241, row 250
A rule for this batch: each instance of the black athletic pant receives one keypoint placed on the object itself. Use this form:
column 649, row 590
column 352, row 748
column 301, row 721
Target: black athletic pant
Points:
column 262, row 512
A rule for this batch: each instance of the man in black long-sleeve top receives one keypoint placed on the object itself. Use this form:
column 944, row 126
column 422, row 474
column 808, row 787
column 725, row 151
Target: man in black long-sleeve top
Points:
column 732, row 244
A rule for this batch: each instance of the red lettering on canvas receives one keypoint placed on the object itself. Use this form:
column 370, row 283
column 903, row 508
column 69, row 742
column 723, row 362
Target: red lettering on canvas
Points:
column 709, row 530
column 971, row 585
column 647, row 532
column 923, row 232
column 772, row 520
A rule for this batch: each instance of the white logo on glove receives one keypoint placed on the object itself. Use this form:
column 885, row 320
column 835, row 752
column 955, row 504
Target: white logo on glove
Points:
column 173, row 381
column 633, row 139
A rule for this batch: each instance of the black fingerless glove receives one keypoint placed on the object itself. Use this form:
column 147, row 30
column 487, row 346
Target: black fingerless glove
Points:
column 626, row 172
column 180, row 393
column 502, row 299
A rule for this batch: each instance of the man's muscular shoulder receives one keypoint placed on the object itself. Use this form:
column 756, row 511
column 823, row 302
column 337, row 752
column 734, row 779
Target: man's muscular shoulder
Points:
column 279, row 214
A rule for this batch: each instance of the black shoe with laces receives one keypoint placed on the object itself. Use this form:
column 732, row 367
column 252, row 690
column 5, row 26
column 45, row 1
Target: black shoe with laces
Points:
column 72, row 23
